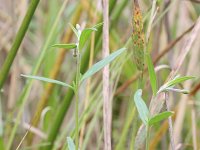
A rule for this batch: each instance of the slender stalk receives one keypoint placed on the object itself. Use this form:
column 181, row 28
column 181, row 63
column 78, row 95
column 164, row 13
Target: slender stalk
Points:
column 17, row 42
column 107, row 103
column 77, row 98
column 147, row 137
column 170, row 122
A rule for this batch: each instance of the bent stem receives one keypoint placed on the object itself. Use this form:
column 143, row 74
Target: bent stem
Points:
column 76, row 89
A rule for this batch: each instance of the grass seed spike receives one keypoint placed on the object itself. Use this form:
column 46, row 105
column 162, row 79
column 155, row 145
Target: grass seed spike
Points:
column 138, row 39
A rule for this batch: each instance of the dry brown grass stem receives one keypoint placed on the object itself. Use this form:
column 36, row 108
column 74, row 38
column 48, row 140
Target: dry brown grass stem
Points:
column 107, row 104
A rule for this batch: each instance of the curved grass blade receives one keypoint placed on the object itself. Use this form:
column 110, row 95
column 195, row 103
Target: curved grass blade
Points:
column 98, row 66
column 141, row 107
column 47, row 80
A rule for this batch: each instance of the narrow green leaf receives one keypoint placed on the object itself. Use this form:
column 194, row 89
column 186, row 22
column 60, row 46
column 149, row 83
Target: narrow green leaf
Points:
column 66, row 46
column 70, row 143
column 141, row 107
column 74, row 30
column 160, row 117
column 47, row 80
column 85, row 34
column 98, row 66
column 173, row 82
column 184, row 91
column 152, row 74
column 178, row 80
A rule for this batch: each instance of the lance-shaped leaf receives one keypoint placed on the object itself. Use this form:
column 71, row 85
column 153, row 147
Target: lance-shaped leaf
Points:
column 65, row 46
column 174, row 82
column 98, row 66
column 70, row 143
column 85, row 34
column 159, row 117
column 141, row 107
column 47, row 80
column 152, row 74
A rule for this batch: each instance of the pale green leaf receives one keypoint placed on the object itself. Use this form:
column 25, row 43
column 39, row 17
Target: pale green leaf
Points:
column 98, row 66
column 152, row 74
column 65, row 46
column 159, row 117
column 85, row 35
column 174, row 82
column 178, row 80
column 70, row 143
column 47, row 80
column 184, row 91
column 141, row 107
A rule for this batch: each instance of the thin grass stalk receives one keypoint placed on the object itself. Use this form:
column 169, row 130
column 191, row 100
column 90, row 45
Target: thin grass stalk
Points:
column 1, row 126
column 28, row 86
column 194, row 126
column 17, row 42
column 107, row 105
column 170, row 122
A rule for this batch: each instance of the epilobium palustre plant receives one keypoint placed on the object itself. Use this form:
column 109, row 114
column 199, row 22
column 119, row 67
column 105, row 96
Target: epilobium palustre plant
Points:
column 82, row 37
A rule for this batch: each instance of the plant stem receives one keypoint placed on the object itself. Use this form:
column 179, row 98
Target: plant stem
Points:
column 170, row 122
column 18, row 39
column 147, row 137
column 77, row 98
